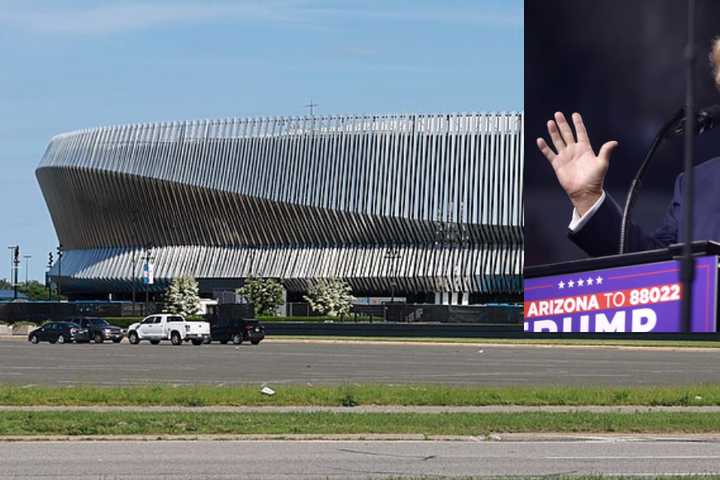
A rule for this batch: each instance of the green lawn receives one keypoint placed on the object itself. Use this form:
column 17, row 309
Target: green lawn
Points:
column 359, row 394
column 133, row 423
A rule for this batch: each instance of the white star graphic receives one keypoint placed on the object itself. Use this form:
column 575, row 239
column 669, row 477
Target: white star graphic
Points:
column 561, row 284
column 580, row 282
column 589, row 281
column 571, row 284
column 599, row 280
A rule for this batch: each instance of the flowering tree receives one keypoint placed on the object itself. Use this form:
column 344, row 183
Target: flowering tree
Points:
column 330, row 297
column 183, row 297
column 266, row 294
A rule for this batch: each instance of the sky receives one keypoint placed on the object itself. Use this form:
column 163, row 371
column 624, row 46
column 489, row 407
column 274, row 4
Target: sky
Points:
column 71, row 64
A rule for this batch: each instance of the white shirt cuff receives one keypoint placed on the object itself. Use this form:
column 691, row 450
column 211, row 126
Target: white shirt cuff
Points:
column 579, row 222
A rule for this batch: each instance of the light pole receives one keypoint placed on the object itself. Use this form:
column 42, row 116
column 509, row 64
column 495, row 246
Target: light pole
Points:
column 148, row 275
column 393, row 255
column 15, row 264
column 311, row 106
column 133, row 261
column 132, row 277
column 60, row 252
column 454, row 236
column 27, row 267
column 47, row 275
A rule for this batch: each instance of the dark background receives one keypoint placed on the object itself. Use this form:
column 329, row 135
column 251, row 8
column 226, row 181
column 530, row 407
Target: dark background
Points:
column 619, row 63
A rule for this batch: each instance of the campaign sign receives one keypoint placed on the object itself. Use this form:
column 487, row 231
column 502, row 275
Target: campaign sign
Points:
column 636, row 298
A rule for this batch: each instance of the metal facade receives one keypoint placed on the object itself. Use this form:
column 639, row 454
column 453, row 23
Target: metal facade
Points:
column 295, row 198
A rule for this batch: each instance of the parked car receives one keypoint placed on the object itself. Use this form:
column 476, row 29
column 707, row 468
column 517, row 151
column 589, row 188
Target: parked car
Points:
column 100, row 330
column 237, row 331
column 60, row 332
column 171, row 327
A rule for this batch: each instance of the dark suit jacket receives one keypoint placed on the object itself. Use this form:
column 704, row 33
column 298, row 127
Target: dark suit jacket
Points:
column 601, row 234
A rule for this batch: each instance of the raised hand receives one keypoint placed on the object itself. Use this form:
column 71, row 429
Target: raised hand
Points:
column 580, row 172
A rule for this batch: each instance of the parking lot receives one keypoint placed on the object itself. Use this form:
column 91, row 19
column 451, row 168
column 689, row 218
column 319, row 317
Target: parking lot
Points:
column 283, row 362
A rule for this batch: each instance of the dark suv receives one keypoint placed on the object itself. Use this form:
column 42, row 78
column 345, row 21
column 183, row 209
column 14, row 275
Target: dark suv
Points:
column 100, row 330
column 60, row 332
column 237, row 331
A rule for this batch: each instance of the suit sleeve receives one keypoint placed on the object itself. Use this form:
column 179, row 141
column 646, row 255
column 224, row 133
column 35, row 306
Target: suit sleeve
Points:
column 600, row 235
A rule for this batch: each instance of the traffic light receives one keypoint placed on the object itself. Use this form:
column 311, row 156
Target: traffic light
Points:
column 16, row 255
column 50, row 259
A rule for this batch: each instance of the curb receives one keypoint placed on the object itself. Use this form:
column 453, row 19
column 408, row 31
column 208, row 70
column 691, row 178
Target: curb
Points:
column 502, row 437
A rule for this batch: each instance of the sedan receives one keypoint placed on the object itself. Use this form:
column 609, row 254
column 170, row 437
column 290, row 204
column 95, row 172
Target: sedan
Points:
column 60, row 332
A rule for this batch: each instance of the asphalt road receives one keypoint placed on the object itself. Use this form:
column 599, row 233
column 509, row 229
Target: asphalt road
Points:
column 350, row 459
column 322, row 363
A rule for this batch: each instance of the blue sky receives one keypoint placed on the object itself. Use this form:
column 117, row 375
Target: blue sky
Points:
column 69, row 64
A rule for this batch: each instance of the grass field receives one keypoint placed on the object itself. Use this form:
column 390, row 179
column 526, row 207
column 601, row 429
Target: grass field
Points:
column 171, row 423
column 359, row 394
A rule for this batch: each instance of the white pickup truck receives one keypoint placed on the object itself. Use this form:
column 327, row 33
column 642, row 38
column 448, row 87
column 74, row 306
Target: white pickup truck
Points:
column 166, row 326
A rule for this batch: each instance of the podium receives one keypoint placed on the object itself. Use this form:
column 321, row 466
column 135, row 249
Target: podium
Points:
column 636, row 292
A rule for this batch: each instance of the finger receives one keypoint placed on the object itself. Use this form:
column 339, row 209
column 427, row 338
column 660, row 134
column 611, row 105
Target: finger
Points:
column 565, row 130
column 580, row 129
column 546, row 150
column 555, row 136
column 606, row 150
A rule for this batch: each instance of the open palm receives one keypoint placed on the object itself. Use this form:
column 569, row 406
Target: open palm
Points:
column 580, row 172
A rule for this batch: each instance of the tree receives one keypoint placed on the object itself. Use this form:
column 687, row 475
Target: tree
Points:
column 38, row 291
column 33, row 290
column 330, row 297
column 266, row 294
column 183, row 297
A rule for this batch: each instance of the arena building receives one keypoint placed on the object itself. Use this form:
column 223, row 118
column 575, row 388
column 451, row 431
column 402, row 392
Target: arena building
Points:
column 429, row 207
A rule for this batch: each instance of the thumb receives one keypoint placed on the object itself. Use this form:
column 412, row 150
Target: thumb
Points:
column 606, row 150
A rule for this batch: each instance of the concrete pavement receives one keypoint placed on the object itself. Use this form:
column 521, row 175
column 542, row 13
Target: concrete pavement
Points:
column 279, row 459
column 279, row 363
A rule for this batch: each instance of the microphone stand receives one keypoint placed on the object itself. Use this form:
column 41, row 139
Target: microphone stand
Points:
column 688, row 263
column 664, row 132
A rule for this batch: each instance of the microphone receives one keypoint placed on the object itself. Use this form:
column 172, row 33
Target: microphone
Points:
column 707, row 118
